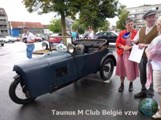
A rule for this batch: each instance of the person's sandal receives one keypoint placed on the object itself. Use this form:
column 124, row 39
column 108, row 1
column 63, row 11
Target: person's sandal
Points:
column 157, row 116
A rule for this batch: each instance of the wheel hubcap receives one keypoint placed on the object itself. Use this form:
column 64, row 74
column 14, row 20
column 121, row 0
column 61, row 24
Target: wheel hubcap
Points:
column 107, row 68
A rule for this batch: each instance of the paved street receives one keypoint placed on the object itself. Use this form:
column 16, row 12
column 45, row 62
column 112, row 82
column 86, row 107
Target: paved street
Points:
column 87, row 99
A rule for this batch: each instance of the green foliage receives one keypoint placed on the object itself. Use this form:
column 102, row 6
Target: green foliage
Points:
column 78, row 27
column 55, row 26
column 121, row 7
column 122, row 17
column 96, row 11
column 105, row 26
column 92, row 12
column 75, row 25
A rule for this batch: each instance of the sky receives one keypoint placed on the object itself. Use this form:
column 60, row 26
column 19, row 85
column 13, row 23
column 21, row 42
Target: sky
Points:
column 16, row 11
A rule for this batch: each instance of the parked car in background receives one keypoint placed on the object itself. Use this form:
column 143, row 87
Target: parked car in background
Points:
column 52, row 41
column 10, row 39
column 111, row 36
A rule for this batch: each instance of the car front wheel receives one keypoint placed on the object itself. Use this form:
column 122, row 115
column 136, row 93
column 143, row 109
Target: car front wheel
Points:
column 19, row 92
column 106, row 69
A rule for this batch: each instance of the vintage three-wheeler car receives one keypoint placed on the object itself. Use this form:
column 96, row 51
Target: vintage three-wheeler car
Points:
column 57, row 69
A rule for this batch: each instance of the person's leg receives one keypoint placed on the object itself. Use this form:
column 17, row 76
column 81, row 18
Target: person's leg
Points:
column 160, row 103
column 150, row 91
column 120, row 71
column 157, row 115
column 130, row 86
column 33, row 47
column 157, row 88
column 30, row 50
column 121, row 88
column 142, row 68
column 27, row 51
column 157, row 84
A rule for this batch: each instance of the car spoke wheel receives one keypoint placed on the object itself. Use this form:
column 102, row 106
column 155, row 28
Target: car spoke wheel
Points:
column 106, row 69
column 44, row 46
column 19, row 93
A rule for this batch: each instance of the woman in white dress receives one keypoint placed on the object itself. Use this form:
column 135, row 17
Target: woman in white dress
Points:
column 153, row 53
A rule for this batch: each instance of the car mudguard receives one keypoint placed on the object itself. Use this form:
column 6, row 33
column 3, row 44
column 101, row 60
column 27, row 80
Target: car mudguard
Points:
column 109, row 55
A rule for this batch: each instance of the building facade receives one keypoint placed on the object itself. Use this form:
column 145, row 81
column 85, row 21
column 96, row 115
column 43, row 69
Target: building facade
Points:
column 16, row 28
column 137, row 13
column 4, row 26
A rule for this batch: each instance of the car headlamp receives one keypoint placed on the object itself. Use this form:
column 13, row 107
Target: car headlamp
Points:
column 70, row 48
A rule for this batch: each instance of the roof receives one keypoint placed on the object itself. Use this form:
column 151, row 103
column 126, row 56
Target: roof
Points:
column 46, row 26
column 2, row 12
column 16, row 24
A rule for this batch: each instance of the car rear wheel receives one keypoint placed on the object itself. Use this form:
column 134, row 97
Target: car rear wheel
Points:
column 106, row 69
column 19, row 93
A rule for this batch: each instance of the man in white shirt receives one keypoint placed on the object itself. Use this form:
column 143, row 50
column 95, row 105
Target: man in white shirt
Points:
column 91, row 34
column 144, row 37
column 29, row 39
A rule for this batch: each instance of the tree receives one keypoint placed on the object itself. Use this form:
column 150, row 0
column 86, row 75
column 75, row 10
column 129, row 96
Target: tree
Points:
column 78, row 27
column 64, row 8
column 106, row 25
column 92, row 12
column 123, row 14
column 96, row 11
column 55, row 25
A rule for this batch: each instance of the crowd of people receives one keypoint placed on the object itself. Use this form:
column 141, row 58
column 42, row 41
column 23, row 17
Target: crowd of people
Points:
column 149, row 38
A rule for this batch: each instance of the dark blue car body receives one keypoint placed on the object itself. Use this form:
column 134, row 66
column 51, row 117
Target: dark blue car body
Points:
column 59, row 68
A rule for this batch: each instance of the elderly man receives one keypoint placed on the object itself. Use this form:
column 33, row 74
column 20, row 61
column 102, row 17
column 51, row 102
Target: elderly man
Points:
column 144, row 37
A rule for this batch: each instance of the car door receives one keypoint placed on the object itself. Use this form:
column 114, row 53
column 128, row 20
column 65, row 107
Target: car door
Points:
column 62, row 67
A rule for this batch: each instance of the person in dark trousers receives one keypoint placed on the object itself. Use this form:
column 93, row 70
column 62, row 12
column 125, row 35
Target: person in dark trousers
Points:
column 143, row 38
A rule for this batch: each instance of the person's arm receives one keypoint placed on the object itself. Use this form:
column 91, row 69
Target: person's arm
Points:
column 147, row 54
column 142, row 45
column 119, row 43
column 136, row 38
column 136, row 41
column 21, row 38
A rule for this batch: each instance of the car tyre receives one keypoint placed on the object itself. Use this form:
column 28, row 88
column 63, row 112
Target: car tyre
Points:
column 106, row 69
column 24, row 92
column 44, row 46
